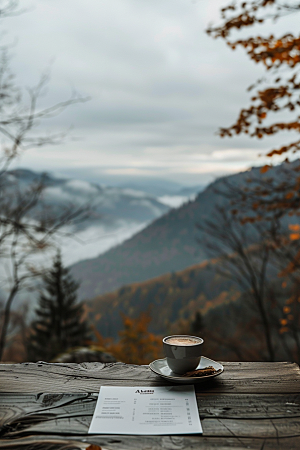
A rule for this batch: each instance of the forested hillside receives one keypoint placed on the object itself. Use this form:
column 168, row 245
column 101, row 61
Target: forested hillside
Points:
column 171, row 243
column 170, row 298
column 194, row 301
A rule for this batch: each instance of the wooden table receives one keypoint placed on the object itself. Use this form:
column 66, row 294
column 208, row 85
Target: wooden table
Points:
column 50, row 406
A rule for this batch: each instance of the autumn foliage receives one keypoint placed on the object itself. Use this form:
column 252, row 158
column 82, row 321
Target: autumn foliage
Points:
column 276, row 95
column 280, row 56
column 136, row 345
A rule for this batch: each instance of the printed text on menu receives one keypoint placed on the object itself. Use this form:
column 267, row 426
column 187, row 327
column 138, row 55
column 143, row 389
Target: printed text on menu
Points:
column 146, row 410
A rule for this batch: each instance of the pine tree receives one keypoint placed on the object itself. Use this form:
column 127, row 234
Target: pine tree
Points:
column 59, row 324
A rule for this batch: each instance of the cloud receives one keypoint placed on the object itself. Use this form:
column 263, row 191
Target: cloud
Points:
column 160, row 87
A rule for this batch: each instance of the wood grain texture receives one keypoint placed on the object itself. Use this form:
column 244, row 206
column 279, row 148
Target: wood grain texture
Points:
column 221, row 406
column 148, row 443
column 249, row 377
column 257, row 416
column 251, row 405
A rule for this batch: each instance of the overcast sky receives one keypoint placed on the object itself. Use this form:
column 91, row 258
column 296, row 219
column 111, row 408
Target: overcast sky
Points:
column 159, row 87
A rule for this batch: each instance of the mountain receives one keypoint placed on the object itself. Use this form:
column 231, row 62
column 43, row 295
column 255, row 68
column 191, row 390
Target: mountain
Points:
column 181, row 197
column 110, row 204
column 153, row 186
column 177, row 296
column 115, row 213
column 191, row 190
column 195, row 301
column 170, row 243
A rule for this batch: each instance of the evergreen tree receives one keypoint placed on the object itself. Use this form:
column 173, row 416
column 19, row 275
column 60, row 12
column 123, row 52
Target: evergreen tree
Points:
column 59, row 324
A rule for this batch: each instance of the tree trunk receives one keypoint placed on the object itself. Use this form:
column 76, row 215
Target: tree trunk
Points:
column 6, row 317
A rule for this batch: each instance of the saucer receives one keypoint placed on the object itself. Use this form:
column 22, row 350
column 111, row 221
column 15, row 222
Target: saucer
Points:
column 161, row 368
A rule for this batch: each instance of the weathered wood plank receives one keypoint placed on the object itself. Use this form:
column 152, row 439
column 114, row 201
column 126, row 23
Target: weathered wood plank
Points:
column 244, row 406
column 238, row 415
column 88, row 377
column 148, row 443
column 79, row 424
column 242, row 428
column 251, row 405
column 226, row 406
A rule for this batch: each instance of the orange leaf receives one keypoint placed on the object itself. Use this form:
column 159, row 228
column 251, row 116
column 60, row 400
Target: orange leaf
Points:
column 265, row 168
column 294, row 236
column 283, row 330
column 294, row 227
column 289, row 195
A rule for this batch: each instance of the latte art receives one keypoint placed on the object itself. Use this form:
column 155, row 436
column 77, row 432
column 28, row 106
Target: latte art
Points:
column 183, row 341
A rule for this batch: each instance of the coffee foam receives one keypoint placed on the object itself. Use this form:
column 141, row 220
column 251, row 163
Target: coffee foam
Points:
column 183, row 341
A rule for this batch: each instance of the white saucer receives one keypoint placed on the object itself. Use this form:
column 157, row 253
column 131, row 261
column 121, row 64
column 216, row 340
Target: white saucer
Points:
column 161, row 368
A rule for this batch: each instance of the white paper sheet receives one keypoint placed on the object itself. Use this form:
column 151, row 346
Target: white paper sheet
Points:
column 147, row 410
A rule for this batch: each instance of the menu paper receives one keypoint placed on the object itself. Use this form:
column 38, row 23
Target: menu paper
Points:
column 146, row 410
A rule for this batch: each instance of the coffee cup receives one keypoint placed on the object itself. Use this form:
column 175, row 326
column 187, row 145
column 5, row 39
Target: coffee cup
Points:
column 183, row 352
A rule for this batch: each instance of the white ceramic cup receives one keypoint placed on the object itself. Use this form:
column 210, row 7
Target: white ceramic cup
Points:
column 183, row 352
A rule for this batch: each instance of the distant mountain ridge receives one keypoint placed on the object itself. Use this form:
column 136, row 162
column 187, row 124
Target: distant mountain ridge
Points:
column 170, row 243
column 110, row 204
column 116, row 213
